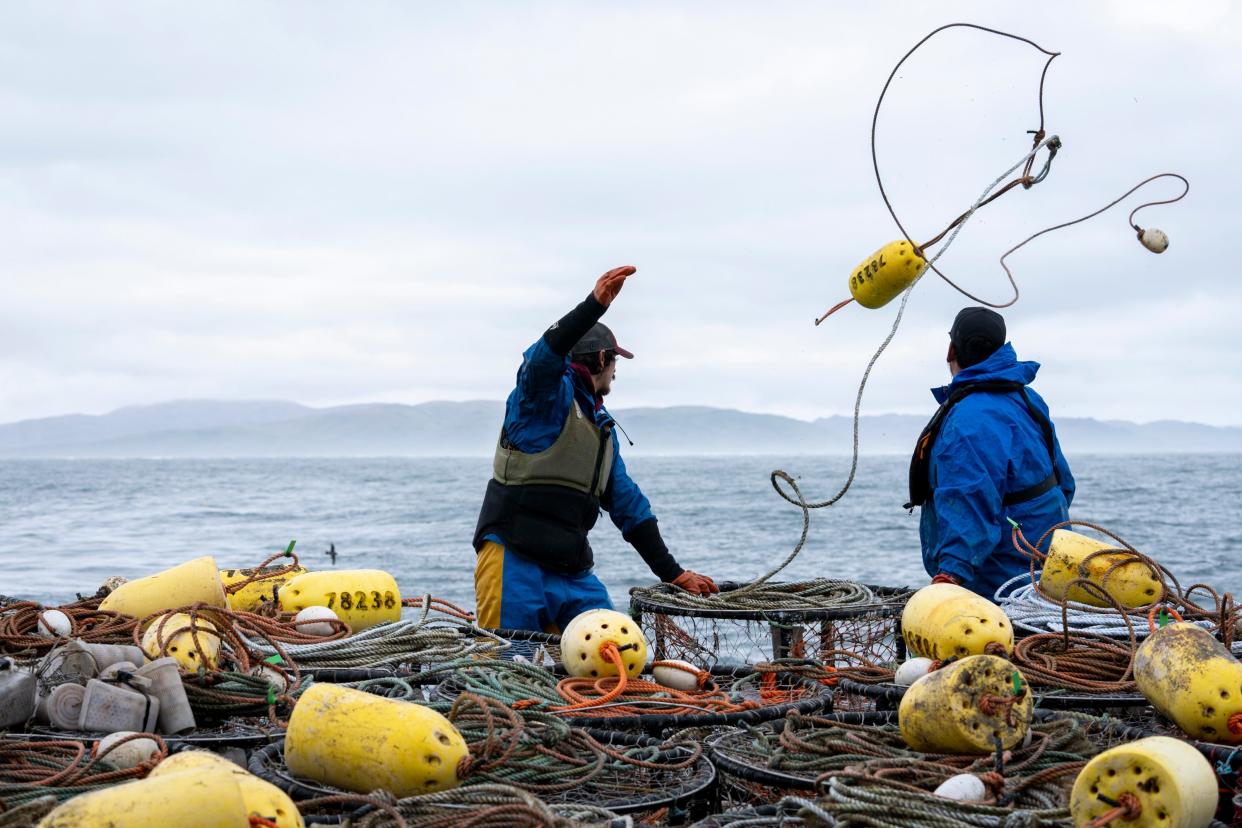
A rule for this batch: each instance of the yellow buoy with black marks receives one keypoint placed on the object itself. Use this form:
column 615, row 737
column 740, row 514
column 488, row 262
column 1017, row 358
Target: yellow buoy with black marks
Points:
column 203, row 798
column 1191, row 678
column 193, row 582
column 361, row 598
column 883, row 275
column 361, row 742
column 583, row 640
column 1073, row 556
column 945, row 620
column 193, row 641
column 1162, row 783
column 261, row 798
column 256, row 594
column 964, row 707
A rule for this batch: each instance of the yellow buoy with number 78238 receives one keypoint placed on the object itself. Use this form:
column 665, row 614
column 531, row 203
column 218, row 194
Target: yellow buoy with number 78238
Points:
column 361, row 598
column 882, row 276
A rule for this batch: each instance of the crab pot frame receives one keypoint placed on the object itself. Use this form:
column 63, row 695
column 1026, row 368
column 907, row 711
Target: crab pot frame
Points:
column 710, row 637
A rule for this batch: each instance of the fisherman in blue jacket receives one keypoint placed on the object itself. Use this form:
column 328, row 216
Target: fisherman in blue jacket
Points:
column 557, row 463
column 989, row 455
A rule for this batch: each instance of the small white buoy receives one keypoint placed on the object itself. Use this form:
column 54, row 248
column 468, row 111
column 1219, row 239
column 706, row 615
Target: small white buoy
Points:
column 316, row 614
column 274, row 678
column 912, row 670
column 964, row 787
column 675, row 674
column 129, row 755
column 1154, row 240
column 54, row 624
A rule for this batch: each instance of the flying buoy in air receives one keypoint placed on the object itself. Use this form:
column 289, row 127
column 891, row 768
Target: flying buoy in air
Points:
column 1154, row 240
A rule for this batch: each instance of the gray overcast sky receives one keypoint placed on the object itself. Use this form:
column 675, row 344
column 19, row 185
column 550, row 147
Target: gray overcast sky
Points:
column 336, row 203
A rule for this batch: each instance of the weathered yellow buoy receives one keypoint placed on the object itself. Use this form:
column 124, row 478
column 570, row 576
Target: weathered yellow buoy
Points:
column 1164, row 782
column 193, row 582
column 964, row 707
column 261, row 798
column 945, row 620
column 254, row 595
column 361, row 598
column 174, row 634
column 585, row 635
column 1190, row 677
column 1131, row 584
column 361, row 742
column 884, row 274
column 205, row 798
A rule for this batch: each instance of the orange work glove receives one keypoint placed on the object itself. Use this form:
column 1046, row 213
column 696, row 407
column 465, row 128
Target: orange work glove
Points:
column 696, row 583
column 609, row 285
column 945, row 578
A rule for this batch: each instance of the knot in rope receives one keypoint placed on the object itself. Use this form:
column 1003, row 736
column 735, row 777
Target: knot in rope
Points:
column 995, row 648
column 991, row 705
column 1127, row 807
column 993, row 781
column 1235, row 724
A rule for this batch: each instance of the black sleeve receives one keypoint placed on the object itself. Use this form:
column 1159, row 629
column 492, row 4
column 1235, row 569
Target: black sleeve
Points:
column 571, row 327
column 645, row 537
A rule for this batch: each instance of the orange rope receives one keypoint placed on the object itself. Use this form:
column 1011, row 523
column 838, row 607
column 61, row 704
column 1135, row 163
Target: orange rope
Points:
column 1128, row 808
column 1235, row 724
column 596, row 696
column 1151, row 615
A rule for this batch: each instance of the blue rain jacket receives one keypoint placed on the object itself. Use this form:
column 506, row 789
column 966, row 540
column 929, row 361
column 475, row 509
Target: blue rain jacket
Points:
column 989, row 445
column 535, row 414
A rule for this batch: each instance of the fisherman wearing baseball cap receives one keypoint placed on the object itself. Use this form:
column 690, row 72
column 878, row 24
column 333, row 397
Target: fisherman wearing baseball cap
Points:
column 989, row 455
column 557, row 464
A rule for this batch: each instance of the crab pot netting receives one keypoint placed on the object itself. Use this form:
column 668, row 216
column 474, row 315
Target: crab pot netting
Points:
column 794, row 757
column 855, row 625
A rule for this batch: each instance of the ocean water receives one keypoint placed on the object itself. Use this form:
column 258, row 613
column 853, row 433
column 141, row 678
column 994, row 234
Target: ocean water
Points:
column 67, row 525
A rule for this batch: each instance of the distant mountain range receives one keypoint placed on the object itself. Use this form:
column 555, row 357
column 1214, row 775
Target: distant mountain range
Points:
column 219, row 428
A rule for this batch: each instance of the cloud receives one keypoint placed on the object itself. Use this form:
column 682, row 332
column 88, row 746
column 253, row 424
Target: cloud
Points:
column 390, row 202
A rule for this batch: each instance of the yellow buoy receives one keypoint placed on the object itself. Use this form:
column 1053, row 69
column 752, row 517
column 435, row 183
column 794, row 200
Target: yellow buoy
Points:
column 1190, row 677
column 254, row 595
column 360, row 742
column 1165, row 782
column 204, row 798
column 174, row 634
column 585, row 635
column 261, row 798
column 945, row 620
column 884, row 274
column 964, row 707
column 361, row 598
column 193, row 582
column 1131, row 584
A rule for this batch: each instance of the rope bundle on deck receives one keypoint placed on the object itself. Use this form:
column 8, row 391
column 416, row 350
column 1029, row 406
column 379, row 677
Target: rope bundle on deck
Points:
column 529, row 687
column 816, row 594
column 488, row 806
column 19, row 620
column 811, row 747
column 64, row 768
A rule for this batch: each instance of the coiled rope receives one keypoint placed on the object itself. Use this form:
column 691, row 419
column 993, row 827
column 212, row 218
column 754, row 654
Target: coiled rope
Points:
column 64, row 768
column 491, row 806
column 818, row 593
column 20, row 619
column 418, row 641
